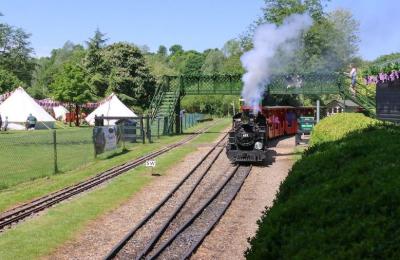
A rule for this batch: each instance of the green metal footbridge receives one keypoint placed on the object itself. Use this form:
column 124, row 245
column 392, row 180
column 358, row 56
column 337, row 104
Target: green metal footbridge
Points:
column 168, row 95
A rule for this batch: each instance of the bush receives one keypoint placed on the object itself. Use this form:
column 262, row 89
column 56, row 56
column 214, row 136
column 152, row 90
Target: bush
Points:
column 337, row 126
column 341, row 200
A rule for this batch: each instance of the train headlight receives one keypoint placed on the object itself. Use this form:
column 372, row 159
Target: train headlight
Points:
column 258, row 145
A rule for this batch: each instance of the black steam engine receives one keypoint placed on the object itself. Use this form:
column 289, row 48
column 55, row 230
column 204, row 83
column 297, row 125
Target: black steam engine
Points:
column 248, row 138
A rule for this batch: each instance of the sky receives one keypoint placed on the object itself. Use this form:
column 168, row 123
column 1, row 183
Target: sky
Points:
column 194, row 24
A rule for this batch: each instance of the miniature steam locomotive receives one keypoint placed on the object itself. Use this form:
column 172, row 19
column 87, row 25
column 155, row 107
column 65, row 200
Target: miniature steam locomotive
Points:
column 251, row 130
column 247, row 138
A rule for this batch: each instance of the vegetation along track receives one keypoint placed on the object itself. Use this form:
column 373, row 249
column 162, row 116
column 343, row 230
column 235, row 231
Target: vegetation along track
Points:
column 178, row 224
column 23, row 211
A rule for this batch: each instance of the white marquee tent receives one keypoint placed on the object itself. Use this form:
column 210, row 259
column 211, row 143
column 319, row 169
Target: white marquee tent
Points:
column 17, row 108
column 60, row 112
column 112, row 106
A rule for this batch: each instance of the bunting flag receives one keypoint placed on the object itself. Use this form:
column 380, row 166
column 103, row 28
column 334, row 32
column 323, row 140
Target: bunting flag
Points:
column 49, row 103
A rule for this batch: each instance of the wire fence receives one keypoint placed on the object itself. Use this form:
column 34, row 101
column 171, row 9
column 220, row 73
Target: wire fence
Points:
column 30, row 155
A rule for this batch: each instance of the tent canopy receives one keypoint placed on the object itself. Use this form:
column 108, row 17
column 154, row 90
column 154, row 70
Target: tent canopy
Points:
column 59, row 112
column 17, row 108
column 111, row 107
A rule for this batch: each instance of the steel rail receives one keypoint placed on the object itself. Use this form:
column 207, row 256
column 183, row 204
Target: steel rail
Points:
column 20, row 212
column 165, row 225
column 198, row 212
column 117, row 248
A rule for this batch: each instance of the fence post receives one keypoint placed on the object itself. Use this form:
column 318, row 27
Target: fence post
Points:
column 148, row 129
column 166, row 130
column 94, row 143
column 142, row 130
column 158, row 127
column 55, row 151
column 121, row 128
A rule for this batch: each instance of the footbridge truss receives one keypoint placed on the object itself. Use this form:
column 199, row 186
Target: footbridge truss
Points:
column 166, row 101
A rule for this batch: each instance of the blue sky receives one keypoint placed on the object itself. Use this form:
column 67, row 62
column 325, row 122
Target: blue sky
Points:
column 195, row 24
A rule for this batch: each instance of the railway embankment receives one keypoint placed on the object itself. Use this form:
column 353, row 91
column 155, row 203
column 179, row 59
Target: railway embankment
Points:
column 341, row 199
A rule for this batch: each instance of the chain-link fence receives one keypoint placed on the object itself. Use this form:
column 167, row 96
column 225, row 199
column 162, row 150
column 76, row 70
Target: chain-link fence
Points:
column 29, row 155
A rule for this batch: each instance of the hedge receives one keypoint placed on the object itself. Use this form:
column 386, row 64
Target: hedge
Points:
column 341, row 200
column 338, row 126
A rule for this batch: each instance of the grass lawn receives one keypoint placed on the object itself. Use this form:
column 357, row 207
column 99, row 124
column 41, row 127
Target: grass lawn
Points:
column 42, row 235
column 28, row 190
column 29, row 155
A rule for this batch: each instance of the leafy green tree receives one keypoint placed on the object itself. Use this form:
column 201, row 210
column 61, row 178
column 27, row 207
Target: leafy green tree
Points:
column 47, row 67
column 162, row 51
column 232, row 48
column 159, row 67
column 8, row 81
column 94, row 63
column 213, row 63
column 175, row 49
column 15, row 52
column 193, row 61
column 275, row 11
column 128, row 74
column 94, row 45
column 329, row 45
column 232, row 65
column 70, row 85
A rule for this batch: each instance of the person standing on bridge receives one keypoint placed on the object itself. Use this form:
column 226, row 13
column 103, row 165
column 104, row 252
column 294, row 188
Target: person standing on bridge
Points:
column 353, row 75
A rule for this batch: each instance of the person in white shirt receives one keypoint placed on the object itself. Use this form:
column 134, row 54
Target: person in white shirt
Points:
column 353, row 75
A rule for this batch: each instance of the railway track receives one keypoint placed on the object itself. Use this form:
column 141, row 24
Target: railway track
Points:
column 23, row 211
column 179, row 223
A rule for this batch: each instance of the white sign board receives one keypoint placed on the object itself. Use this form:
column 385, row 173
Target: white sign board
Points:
column 150, row 163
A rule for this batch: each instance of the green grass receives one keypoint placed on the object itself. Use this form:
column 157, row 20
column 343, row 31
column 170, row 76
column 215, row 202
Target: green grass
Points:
column 29, row 155
column 42, row 235
column 340, row 201
column 29, row 190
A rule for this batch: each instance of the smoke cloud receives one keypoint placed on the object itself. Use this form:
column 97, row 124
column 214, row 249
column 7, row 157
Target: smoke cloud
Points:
column 267, row 41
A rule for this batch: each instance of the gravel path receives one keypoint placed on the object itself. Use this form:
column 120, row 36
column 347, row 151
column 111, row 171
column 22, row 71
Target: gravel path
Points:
column 99, row 236
column 144, row 235
column 192, row 235
column 228, row 240
column 218, row 173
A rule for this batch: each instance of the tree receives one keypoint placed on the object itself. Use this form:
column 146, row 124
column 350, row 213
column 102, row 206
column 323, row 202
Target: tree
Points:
column 232, row 48
column 15, row 51
column 275, row 11
column 175, row 49
column 47, row 67
column 93, row 57
column 162, row 51
column 93, row 63
column 8, row 81
column 329, row 44
column 193, row 61
column 213, row 63
column 127, row 74
column 70, row 86
column 159, row 67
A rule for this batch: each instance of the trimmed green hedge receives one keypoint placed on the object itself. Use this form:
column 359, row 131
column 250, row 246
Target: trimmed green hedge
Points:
column 337, row 126
column 341, row 200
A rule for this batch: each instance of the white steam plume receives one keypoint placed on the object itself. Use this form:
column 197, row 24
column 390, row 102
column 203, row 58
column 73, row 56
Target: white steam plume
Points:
column 258, row 62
